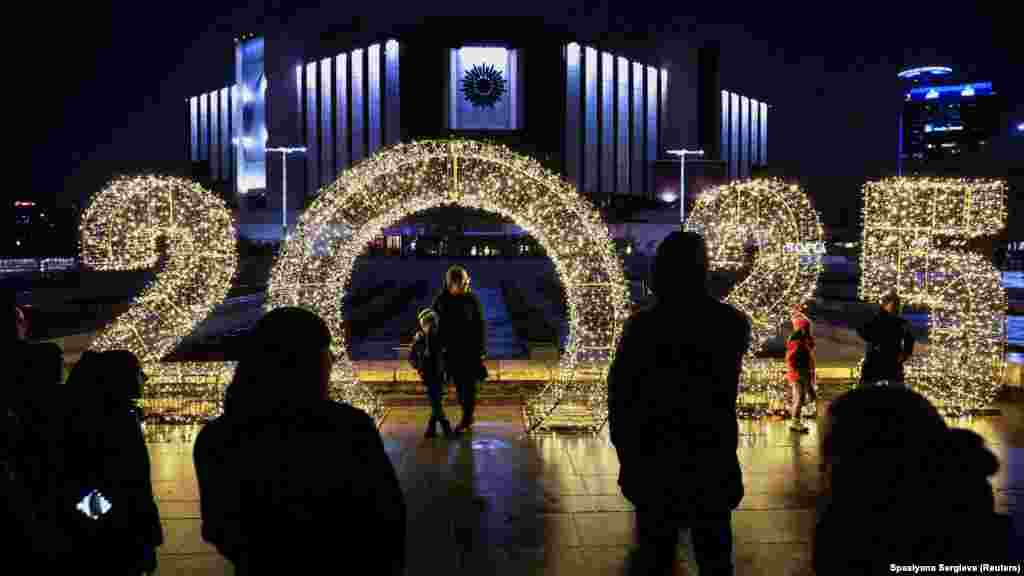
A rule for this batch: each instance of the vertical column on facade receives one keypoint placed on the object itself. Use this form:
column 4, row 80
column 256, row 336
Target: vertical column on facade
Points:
column 358, row 120
column 214, row 137
column 744, row 137
column 622, row 126
column 392, row 89
column 573, row 114
column 734, row 135
column 764, row 134
column 755, row 132
column 341, row 111
column 590, row 142
column 312, row 120
column 373, row 76
column 726, row 153
column 193, row 105
column 636, row 160
column 607, row 123
column 238, row 152
column 326, row 122
column 225, row 137
column 651, row 153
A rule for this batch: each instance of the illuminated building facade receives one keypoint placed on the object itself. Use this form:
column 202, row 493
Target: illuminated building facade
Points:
column 945, row 123
column 600, row 113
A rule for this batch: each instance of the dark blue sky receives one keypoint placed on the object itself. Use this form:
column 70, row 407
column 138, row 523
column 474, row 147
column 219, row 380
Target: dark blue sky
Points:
column 110, row 89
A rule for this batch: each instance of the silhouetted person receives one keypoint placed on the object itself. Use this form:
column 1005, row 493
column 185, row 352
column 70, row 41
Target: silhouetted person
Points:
column 115, row 524
column 426, row 356
column 464, row 339
column 672, row 412
column 289, row 481
column 36, row 454
column 902, row 488
column 889, row 344
column 800, row 362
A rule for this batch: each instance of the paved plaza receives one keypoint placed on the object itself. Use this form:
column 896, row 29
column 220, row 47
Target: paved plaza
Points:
column 498, row 502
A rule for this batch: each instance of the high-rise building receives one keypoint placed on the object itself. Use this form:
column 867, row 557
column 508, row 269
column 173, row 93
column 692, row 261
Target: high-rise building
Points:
column 945, row 122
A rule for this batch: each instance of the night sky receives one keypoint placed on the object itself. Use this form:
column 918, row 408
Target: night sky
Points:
column 109, row 91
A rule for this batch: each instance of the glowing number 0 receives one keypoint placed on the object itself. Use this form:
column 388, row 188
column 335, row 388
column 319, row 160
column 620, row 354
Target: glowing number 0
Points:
column 914, row 241
column 778, row 220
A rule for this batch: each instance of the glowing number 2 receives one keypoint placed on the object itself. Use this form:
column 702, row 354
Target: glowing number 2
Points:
column 120, row 230
column 915, row 241
column 778, row 219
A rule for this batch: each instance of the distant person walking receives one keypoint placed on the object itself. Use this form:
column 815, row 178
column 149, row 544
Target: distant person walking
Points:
column 289, row 481
column 464, row 339
column 672, row 413
column 427, row 358
column 889, row 344
column 801, row 364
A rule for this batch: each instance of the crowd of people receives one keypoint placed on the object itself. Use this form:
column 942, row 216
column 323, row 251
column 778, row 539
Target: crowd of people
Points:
column 283, row 461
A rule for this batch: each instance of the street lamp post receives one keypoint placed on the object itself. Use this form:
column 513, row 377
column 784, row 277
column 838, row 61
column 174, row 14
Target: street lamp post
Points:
column 284, row 184
column 682, row 179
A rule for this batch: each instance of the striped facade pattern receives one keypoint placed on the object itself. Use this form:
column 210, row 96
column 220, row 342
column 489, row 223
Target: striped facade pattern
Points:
column 744, row 133
column 349, row 108
column 214, row 121
column 614, row 113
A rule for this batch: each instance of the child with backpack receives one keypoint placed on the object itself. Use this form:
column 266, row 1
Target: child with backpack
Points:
column 427, row 358
column 801, row 373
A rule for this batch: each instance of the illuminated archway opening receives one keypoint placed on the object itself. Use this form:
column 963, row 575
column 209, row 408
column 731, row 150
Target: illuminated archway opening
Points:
column 315, row 266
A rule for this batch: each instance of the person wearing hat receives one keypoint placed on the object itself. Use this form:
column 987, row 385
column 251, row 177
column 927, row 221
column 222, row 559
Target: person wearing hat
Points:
column 426, row 357
column 889, row 344
column 800, row 364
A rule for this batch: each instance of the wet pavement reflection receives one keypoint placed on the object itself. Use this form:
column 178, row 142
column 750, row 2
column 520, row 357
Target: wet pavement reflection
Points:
column 496, row 501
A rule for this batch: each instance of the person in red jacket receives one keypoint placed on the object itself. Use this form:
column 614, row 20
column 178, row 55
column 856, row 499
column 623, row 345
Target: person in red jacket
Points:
column 800, row 361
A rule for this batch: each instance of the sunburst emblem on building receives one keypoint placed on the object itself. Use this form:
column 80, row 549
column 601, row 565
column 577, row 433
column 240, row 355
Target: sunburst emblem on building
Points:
column 483, row 86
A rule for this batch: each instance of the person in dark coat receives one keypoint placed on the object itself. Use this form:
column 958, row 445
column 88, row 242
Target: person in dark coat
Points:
column 114, row 521
column 672, row 412
column 427, row 358
column 889, row 344
column 290, row 481
column 902, row 487
column 464, row 339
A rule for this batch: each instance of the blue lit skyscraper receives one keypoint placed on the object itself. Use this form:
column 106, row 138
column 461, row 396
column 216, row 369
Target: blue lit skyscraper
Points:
column 944, row 121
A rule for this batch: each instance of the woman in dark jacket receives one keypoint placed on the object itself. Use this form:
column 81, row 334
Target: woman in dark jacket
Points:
column 464, row 339
column 113, row 516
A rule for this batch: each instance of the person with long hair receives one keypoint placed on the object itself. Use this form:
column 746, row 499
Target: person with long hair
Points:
column 114, row 521
column 284, row 465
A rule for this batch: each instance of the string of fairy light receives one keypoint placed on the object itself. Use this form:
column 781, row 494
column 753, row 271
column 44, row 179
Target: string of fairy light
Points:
column 315, row 267
column 765, row 218
column 121, row 230
column 915, row 240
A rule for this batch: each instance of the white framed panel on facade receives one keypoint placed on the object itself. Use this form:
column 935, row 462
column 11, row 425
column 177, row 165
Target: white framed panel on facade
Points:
column 607, row 123
column 590, row 142
column 226, row 168
column 734, row 136
column 374, row 126
column 724, row 126
column 204, row 127
column 637, row 139
column 652, row 128
column 755, row 132
column 312, row 120
column 573, row 91
column 193, row 105
column 622, row 126
column 744, row 137
column 392, row 88
column 341, row 140
column 214, row 137
column 358, row 148
column 764, row 134
column 326, row 122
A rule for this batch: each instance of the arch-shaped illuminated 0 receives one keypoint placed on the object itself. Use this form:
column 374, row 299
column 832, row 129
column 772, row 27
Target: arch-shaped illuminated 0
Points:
column 315, row 267
column 920, row 71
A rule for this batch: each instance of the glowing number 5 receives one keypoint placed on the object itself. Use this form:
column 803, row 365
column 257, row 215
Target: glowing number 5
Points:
column 915, row 241
column 777, row 220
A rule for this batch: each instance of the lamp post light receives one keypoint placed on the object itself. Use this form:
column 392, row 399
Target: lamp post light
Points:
column 682, row 178
column 284, row 184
